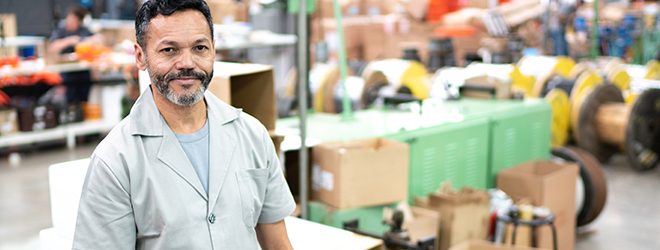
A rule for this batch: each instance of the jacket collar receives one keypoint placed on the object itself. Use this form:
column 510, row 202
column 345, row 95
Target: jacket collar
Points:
column 146, row 119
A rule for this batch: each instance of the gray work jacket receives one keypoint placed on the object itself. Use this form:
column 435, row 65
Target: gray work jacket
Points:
column 141, row 191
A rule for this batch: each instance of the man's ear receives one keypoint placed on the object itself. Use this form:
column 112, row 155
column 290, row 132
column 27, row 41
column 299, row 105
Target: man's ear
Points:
column 140, row 58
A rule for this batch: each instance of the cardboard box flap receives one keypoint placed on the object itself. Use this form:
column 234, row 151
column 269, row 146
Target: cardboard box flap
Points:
column 228, row 69
column 374, row 144
column 249, row 87
column 446, row 195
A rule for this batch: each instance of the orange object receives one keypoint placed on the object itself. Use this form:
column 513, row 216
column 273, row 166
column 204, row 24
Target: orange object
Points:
column 12, row 61
column 91, row 111
column 89, row 51
column 438, row 8
column 4, row 99
column 454, row 31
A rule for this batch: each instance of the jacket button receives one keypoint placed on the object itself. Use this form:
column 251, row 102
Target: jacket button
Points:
column 212, row 218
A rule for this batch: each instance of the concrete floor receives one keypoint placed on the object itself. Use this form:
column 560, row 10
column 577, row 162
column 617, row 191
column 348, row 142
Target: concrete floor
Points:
column 631, row 219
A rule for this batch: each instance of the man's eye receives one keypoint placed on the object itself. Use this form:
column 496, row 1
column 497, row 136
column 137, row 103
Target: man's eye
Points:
column 167, row 50
column 201, row 48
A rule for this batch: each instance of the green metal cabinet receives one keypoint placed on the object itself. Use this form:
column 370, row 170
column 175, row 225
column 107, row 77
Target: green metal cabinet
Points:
column 459, row 141
column 466, row 142
column 517, row 135
column 456, row 152
column 370, row 218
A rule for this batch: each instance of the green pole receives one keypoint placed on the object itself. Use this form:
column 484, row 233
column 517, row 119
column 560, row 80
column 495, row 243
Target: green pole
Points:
column 595, row 42
column 347, row 112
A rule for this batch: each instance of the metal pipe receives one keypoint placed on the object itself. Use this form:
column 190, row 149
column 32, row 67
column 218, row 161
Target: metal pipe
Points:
column 347, row 112
column 595, row 41
column 302, row 106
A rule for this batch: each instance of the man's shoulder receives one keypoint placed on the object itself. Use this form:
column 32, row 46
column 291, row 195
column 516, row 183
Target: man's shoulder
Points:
column 241, row 117
column 117, row 142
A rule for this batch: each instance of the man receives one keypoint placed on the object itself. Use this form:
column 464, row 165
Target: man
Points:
column 64, row 39
column 560, row 12
column 184, row 170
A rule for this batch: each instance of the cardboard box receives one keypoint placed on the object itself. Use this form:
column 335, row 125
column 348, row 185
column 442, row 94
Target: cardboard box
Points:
column 277, row 141
column 547, row 184
column 325, row 8
column 424, row 223
column 8, row 23
column 228, row 11
column 464, row 215
column 360, row 173
column 486, row 87
column 8, row 26
column 326, row 30
column 8, row 121
column 482, row 4
column 380, row 7
column 485, row 245
column 116, row 35
column 247, row 86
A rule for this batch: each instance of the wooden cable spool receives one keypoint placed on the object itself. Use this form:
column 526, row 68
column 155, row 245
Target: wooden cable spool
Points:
column 591, row 191
column 397, row 74
column 543, row 68
column 324, row 79
column 643, row 131
column 560, row 107
column 605, row 124
column 558, row 93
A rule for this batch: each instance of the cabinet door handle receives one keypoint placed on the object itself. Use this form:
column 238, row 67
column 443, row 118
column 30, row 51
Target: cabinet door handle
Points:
column 411, row 140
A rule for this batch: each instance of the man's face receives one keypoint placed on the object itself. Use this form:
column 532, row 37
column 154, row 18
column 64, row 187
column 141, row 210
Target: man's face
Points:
column 71, row 23
column 179, row 56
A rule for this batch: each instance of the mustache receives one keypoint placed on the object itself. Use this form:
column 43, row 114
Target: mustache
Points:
column 185, row 73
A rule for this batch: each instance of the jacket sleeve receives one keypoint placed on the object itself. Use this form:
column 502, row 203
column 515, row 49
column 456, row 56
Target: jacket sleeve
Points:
column 278, row 202
column 105, row 214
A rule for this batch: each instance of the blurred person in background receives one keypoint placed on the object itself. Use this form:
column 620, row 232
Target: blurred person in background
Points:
column 62, row 43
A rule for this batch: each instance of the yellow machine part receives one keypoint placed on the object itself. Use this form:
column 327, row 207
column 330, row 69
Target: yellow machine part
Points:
column 586, row 80
column 620, row 78
column 560, row 105
column 522, row 83
column 326, row 90
column 630, row 97
column 576, row 104
column 652, row 70
column 416, row 78
column 579, row 69
column 564, row 66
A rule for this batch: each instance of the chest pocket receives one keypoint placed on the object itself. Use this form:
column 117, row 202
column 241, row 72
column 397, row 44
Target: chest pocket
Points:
column 252, row 187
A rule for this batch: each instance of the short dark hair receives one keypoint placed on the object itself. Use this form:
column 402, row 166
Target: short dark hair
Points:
column 153, row 8
column 77, row 11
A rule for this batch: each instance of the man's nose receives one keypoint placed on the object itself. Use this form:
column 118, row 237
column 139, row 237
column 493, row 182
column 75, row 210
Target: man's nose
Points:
column 186, row 61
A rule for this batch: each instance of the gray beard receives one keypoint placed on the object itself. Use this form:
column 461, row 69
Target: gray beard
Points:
column 186, row 99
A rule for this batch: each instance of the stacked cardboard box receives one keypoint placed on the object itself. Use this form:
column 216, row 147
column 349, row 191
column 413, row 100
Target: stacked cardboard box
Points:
column 228, row 11
column 547, row 184
column 464, row 215
column 8, row 121
column 374, row 37
column 360, row 173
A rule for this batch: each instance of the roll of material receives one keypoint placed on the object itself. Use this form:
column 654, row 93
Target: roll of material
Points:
column 593, row 193
column 544, row 67
column 398, row 73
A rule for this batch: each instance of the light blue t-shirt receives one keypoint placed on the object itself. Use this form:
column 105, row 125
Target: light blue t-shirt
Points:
column 196, row 146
